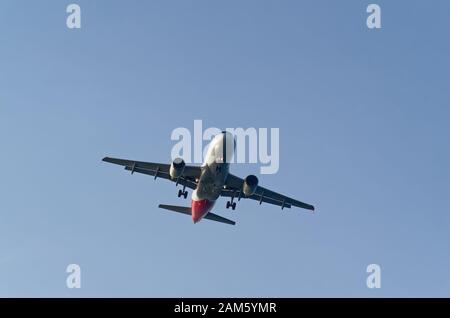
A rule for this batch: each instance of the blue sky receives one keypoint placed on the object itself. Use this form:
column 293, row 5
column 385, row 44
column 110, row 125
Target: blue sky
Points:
column 363, row 117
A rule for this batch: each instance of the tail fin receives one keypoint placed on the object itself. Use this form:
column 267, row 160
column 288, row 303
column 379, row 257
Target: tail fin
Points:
column 187, row 210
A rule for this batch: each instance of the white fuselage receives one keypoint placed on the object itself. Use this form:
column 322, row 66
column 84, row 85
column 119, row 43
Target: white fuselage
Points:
column 214, row 173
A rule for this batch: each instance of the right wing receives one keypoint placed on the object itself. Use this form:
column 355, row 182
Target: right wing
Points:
column 159, row 170
column 234, row 188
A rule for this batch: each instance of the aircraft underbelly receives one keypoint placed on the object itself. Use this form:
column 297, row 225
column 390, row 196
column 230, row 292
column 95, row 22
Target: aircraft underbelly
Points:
column 211, row 183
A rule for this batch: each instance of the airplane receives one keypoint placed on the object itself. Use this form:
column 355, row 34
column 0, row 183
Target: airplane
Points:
column 210, row 181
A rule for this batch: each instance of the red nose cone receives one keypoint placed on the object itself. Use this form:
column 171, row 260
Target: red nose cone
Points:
column 199, row 209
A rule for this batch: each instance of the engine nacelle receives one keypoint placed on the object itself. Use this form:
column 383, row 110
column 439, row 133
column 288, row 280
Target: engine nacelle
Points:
column 250, row 185
column 176, row 168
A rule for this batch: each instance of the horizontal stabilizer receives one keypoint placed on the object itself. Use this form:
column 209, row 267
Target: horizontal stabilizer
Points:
column 175, row 208
column 218, row 218
column 187, row 210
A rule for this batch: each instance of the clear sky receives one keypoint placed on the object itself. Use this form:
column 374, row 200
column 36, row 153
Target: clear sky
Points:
column 364, row 133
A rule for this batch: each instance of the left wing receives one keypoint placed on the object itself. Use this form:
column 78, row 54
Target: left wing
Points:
column 234, row 189
column 159, row 170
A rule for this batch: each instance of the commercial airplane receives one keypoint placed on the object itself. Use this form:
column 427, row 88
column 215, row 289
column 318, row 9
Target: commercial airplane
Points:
column 210, row 181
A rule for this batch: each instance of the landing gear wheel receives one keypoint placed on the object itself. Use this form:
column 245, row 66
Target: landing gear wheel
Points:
column 182, row 193
column 231, row 205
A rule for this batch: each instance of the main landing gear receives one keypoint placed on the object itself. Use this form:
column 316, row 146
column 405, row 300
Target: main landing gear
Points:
column 231, row 203
column 182, row 193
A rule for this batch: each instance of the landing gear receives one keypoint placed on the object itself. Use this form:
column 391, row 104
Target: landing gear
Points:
column 231, row 204
column 182, row 193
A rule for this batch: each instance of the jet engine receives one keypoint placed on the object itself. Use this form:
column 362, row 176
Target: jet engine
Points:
column 176, row 168
column 250, row 185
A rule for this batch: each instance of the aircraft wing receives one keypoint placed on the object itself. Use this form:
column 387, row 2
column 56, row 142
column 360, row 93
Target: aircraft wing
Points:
column 159, row 170
column 233, row 187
